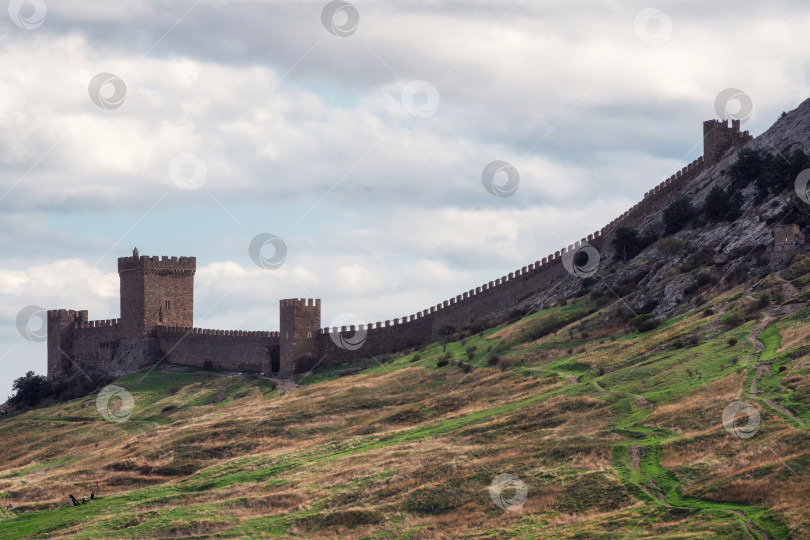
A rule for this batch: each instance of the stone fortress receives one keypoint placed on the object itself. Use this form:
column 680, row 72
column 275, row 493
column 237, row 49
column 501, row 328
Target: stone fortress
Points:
column 157, row 306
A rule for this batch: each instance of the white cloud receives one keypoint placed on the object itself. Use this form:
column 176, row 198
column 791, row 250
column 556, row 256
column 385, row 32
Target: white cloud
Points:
column 304, row 134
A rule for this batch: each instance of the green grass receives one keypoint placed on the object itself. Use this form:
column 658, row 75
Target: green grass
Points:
column 528, row 413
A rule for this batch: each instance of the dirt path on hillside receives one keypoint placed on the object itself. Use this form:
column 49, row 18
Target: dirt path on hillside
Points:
column 785, row 411
column 750, row 526
column 757, row 352
column 285, row 386
column 634, row 453
column 787, row 286
column 763, row 368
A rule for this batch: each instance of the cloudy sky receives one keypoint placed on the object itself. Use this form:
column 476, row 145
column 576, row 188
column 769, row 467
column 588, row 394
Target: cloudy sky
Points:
column 356, row 133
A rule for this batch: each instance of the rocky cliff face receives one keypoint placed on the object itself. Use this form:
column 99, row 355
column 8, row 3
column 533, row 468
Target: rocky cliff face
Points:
column 669, row 273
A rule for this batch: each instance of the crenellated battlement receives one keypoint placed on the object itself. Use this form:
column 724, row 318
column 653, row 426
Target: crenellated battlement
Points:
column 186, row 330
column 76, row 316
column 157, row 303
column 108, row 323
column 301, row 302
column 527, row 276
column 164, row 264
column 718, row 137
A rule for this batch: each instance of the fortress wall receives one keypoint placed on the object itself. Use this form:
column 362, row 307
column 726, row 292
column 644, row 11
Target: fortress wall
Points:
column 234, row 350
column 490, row 298
column 304, row 344
column 378, row 341
column 94, row 342
column 661, row 195
column 422, row 327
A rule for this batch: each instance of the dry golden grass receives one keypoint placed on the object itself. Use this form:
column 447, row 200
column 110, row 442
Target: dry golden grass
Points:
column 794, row 336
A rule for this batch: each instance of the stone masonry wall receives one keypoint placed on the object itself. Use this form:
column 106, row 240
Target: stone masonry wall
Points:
column 234, row 350
column 490, row 298
column 148, row 282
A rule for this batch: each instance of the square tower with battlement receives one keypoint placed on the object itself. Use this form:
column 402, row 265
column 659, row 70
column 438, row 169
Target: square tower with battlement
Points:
column 299, row 326
column 156, row 291
column 718, row 137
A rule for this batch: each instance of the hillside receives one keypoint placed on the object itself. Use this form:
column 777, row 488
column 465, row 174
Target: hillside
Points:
column 615, row 434
column 603, row 397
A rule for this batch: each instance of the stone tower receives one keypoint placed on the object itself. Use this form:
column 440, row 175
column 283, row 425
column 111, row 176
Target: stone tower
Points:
column 60, row 340
column 156, row 291
column 718, row 137
column 300, row 324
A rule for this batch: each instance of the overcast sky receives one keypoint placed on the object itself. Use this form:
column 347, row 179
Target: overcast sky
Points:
column 356, row 133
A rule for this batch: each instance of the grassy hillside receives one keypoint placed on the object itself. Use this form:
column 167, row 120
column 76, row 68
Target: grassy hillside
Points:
column 615, row 433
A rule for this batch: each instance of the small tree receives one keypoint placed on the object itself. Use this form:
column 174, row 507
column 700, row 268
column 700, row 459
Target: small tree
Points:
column 717, row 204
column 747, row 168
column 445, row 331
column 678, row 214
column 625, row 242
column 30, row 389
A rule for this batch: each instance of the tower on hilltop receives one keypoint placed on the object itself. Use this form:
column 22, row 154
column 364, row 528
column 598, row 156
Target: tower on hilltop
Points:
column 718, row 137
column 156, row 291
column 299, row 325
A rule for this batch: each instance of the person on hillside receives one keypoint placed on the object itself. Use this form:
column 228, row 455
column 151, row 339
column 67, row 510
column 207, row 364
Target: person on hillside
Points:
column 84, row 499
column 72, row 499
column 92, row 496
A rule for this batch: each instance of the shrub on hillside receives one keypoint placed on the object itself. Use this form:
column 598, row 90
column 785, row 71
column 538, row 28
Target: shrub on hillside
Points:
column 649, row 324
column 442, row 362
column 747, row 168
column 627, row 243
column 722, row 204
column 733, row 319
column 671, row 246
column 493, row 360
column 644, row 322
column 30, row 389
column 636, row 321
column 677, row 214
